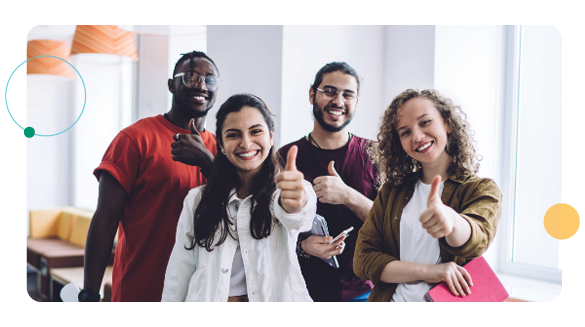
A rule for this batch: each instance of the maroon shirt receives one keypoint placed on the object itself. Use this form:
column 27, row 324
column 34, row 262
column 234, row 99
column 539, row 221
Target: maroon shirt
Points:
column 324, row 282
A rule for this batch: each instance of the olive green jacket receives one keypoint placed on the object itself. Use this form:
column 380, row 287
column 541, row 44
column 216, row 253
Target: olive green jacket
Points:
column 476, row 200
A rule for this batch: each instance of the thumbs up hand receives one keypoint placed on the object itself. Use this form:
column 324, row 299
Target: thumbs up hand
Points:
column 438, row 219
column 331, row 189
column 290, row 182
column 190, row 149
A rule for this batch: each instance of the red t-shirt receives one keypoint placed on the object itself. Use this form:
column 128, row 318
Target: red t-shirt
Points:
column 140, row 159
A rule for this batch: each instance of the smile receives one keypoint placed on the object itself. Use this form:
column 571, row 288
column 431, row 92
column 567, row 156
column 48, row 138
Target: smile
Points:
column 248, row 154
column 424, row 147
column 335, row 112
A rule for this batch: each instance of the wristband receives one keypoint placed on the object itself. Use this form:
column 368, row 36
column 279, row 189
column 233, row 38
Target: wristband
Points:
column 300, row 251
column 88, row 296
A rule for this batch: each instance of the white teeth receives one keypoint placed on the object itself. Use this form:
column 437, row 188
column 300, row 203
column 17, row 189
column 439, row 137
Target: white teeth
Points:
column 199, row 97
column 335, row 113
column 424, row 147
column 248, row 154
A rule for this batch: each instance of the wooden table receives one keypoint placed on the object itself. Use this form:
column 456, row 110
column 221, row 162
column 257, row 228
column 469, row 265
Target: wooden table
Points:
column 74, row 275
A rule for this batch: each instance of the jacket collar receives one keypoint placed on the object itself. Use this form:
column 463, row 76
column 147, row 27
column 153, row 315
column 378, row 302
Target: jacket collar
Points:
column 413, row 177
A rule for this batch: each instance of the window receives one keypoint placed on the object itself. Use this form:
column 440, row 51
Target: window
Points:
column 532, row 152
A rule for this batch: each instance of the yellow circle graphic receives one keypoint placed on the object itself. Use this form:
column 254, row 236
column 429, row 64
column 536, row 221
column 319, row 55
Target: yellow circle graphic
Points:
column 561, row 221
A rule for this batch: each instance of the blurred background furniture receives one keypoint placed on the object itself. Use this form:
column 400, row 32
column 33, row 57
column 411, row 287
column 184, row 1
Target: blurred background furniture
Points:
column 56, row 240
column 63, row 276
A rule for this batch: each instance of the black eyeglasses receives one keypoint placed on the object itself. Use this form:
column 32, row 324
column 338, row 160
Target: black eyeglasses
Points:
column 330, row 93
column 192, row 80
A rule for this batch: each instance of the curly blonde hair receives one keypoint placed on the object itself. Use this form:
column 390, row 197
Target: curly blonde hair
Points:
column 393, row 161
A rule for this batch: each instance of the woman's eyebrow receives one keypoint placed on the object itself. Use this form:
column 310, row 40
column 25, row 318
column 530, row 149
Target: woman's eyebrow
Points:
column 254, row 126
column 231, row 130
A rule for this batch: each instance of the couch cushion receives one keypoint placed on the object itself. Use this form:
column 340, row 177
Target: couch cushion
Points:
column 58, row 253
column 80, row 229
column 44, row 223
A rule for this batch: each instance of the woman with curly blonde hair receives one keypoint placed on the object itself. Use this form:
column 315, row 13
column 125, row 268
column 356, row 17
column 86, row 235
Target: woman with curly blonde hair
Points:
column 433, row 213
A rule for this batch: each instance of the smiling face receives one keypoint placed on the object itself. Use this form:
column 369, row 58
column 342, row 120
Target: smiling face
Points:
column 193, row 102
column 246, row 140
column 422, row 132
column 336, row 114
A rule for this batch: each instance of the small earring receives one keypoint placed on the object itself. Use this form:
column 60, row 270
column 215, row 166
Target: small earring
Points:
column 223, row 151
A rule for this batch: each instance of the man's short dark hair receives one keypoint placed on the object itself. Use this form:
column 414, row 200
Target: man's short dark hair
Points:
column 334, row 67
column 192, row 55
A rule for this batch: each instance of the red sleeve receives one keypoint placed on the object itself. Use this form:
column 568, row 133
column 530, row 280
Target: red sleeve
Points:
column 121, row 160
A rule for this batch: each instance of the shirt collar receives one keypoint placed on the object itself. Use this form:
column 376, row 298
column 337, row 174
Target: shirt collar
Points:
column 411, row 177
column 234, row 196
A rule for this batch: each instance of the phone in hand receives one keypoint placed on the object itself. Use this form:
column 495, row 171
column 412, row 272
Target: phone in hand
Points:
column 345, row 232
column 320, row 229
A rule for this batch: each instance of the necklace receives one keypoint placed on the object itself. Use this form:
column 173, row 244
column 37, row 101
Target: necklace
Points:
column 311, row 139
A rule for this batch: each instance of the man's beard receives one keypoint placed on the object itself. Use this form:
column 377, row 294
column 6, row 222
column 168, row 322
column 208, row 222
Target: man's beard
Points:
column 192, row 112
column 199, row 114
column 319, row 112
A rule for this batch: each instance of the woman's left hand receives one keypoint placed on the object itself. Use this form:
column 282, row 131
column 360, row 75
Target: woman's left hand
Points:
column 290, row 181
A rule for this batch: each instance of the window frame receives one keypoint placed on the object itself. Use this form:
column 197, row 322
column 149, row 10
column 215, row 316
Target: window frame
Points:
column 511, row 118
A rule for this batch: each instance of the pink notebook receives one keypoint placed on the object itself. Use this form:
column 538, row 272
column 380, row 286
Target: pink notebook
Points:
column 486, row 286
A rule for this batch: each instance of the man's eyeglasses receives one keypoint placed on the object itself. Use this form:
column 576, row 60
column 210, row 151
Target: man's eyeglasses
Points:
column 330, row 93
column 193, row 79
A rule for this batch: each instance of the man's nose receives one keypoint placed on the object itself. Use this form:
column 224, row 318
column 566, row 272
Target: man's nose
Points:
column 338, row 99
column 201, row 84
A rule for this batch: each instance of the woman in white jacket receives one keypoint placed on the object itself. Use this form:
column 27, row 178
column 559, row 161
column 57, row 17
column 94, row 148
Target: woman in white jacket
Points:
column 236, row 235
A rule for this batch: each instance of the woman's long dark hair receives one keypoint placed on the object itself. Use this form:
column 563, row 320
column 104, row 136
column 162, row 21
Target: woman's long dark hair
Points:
column 211, row 215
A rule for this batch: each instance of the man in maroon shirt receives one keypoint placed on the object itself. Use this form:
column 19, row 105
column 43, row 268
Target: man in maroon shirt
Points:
column 337, row 164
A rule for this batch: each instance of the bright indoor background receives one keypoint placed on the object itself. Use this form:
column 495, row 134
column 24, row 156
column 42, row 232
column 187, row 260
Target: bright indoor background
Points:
column 506, row 78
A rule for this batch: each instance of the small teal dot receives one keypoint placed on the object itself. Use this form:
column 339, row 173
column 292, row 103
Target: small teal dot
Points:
column 29, row 132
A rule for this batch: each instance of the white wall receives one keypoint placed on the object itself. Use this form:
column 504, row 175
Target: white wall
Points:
column 99, row 123
column 249, row 59
column 409, row 55
column 48, row 163
column 308, row 48
column 153, row 73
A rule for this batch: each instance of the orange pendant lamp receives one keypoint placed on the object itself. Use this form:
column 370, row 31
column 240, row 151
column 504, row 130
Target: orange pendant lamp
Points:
column 105, row 39
column 48, row 65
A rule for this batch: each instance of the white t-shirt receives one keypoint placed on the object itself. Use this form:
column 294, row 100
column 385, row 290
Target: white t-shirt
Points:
column 238, row 276
column 416, row 245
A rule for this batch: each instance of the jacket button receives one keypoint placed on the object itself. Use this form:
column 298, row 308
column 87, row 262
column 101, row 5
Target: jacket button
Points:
column 406, row 198
column 225, row 270
column 396, row 218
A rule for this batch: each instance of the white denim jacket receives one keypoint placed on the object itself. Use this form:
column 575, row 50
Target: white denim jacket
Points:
column 271, row 264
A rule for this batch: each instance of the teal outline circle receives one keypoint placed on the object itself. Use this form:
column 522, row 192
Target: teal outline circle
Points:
column 84, row 91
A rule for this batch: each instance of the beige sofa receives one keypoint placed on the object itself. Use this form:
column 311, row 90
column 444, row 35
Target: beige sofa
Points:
column 56, row 240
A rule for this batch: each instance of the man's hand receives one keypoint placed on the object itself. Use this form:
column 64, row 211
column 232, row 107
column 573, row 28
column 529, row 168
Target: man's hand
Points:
column 438, row 219
column 456, row 277
column 318, row 246
column 331, row 189
column 290, row 181
column 189, row 149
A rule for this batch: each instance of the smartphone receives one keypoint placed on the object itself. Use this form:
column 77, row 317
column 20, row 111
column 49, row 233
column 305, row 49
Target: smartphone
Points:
column 345, row 232
column 319, row 228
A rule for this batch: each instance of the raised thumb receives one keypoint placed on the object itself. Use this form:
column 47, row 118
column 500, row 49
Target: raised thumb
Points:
column 192, row 127
column 291, row 159
column 331, row 168
column 434, row 194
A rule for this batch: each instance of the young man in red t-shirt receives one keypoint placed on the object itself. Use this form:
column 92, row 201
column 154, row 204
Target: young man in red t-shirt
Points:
column 144, row 176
